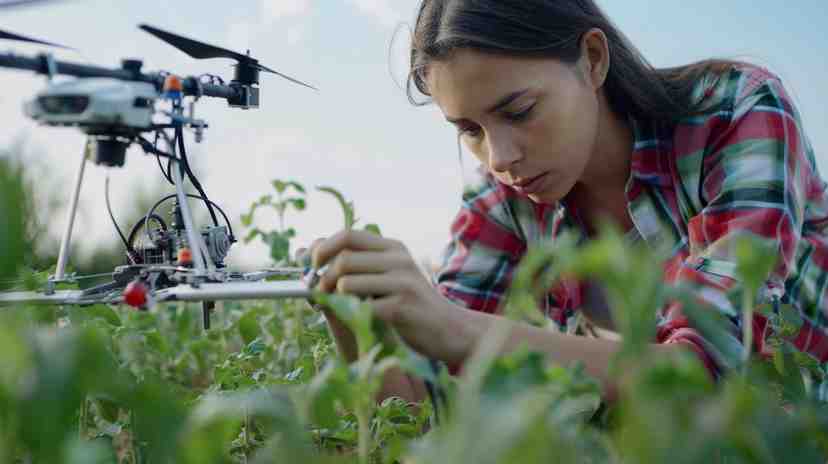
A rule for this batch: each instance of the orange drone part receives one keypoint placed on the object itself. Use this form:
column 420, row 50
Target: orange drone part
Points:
column 172, row 83
column 173, row 88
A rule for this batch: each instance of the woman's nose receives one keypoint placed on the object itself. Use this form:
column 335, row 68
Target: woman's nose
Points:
column 503, row 153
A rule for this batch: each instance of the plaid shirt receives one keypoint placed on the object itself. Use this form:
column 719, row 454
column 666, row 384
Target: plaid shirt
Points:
column 695, row 185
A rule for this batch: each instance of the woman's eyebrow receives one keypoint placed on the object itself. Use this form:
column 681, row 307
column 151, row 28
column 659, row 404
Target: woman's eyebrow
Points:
column 502, row 103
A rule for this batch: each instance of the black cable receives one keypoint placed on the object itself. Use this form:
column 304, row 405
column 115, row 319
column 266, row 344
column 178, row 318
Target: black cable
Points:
column 165, row 173
column 223, row 214
column 148, row 147
column 185, row 164
column 130, row 251
column 143, row 221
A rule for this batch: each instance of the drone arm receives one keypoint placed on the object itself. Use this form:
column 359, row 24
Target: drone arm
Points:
column 40, row 65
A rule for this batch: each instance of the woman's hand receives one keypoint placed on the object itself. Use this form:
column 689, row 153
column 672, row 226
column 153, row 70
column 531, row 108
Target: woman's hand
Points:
column 363, row 264
column 345, row 339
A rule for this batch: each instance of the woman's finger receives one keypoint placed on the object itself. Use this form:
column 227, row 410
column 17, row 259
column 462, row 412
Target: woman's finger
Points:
column 348, row 239
column 368, row 285
column 362, row 262
column 387, row 308
column 303, row 255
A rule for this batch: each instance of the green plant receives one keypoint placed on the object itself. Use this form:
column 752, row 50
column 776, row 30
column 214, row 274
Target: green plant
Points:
column 108, row 384
column 277, row 240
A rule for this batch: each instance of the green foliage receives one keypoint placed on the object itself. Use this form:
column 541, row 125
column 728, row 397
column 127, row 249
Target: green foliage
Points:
column 264, row 385
column 278, row 241
column 347, row 206
column 12, row 225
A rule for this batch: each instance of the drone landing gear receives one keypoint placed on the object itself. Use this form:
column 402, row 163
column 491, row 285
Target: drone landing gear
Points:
column 206, row 310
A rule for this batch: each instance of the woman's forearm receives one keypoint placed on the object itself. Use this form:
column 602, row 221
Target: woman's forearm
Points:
column 596, row 354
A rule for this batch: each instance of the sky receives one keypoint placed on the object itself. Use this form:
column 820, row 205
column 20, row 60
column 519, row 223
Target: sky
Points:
column 396, row 162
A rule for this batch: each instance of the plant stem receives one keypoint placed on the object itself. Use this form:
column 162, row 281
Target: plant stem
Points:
column 363, row 406
column 364, row 431
column 82, row 419
column 747, row 328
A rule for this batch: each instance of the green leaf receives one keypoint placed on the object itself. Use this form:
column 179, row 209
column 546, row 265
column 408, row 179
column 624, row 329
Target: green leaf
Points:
column 328, row 388
column 298, row 203
column 12, row 226
column 247, row 219
column 279, row 185
column 755, row 260
column 253, row 233
column 347, row 207
column 297, row 186
column 279, row 246
column 373, row 228
column 355, row 314
column 249, row 328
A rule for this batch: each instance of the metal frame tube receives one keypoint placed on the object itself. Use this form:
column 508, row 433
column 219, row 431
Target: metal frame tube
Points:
column 236, row 291
column 269, row 290
column 70, row 221
column 200, row 261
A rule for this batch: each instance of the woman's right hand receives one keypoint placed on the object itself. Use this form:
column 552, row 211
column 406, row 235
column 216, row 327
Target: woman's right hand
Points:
column 345, row 339
column 395, row 382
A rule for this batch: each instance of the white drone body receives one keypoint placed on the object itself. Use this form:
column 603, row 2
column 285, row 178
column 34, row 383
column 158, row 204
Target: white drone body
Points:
column 95, row 103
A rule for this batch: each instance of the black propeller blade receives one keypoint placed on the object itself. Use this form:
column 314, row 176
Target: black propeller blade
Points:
column 22, row 38
column 201, row 50
column 15, row 3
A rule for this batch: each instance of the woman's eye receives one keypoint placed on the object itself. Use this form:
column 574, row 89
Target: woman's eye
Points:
column 521, row 115
column 469, row 131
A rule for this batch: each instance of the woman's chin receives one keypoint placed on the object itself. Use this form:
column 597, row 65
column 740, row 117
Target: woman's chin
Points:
column 550, row 195
column 543, row 198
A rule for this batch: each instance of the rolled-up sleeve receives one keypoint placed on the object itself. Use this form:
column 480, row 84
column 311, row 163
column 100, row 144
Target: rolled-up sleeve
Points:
column 479, row 260
column 756, row 178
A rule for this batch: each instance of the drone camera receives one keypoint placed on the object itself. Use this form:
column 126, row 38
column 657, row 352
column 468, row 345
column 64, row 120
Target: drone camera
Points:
column 108, row 151
column 64, row 104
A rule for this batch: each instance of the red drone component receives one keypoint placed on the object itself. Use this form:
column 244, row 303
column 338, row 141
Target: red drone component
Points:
column 185, row 257
column 136, row 294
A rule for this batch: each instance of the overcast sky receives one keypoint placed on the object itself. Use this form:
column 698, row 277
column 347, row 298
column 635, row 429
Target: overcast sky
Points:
column 398, row 163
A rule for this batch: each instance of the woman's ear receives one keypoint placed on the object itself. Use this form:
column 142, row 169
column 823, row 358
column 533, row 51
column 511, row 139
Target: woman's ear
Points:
column 595, row 57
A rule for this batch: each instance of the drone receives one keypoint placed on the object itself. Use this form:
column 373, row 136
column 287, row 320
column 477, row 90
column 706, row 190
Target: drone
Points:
column 168, row 259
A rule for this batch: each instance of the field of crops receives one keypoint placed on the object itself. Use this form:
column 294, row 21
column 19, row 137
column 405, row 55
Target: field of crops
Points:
column 106, row 384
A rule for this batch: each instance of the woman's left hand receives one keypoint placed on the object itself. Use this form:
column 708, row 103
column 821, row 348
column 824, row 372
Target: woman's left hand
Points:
column 366, row 265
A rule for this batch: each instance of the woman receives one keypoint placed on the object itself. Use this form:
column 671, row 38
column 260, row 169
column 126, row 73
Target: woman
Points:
column 573, row 126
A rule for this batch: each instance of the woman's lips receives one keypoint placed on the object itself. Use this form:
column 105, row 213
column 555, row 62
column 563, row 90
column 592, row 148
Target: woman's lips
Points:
column 534, row 186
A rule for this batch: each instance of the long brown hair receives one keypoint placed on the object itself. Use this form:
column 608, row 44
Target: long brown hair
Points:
column 553, row 28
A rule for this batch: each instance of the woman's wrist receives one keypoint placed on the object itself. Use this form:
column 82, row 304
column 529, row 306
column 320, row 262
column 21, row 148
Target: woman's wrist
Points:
column 460, row 334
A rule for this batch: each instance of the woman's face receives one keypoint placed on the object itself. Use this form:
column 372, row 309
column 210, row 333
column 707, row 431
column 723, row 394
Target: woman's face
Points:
column 523, row 118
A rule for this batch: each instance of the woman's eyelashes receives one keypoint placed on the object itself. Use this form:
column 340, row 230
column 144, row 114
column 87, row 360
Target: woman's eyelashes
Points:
column 474, row 130
column 469, row 131
column 520, row 115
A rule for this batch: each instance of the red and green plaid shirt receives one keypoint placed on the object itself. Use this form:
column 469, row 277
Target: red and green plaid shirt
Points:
column 695, row 185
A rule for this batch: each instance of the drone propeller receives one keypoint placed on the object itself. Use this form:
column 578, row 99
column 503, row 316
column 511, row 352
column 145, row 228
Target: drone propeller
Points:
column 201, row 50
column 22, row 38
column 4, row 4
column 16, row 3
